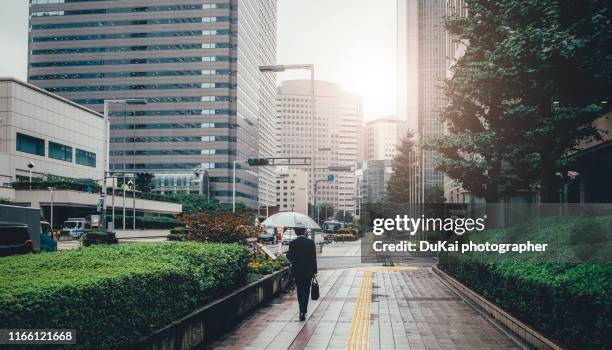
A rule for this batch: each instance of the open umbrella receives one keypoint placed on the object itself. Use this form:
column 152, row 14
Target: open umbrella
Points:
column 290, row 219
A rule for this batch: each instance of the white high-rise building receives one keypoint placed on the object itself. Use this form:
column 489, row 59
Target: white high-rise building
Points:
column 382, row 137
column 292, row 190
column 337, row 129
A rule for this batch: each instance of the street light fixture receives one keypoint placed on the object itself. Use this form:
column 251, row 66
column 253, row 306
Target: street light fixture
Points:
column 107, row 103
column 281, row 68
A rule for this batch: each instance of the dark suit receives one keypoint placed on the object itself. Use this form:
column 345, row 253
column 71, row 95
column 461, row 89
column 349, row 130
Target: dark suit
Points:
column 303, row 256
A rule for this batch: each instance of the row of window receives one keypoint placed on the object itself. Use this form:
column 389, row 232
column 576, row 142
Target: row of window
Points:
column 130, row 22
column 141, row 87
column 174, row 126
column 129, row 74
column 34, row 145
column 109, row 36
column 131, row 61
column 180, row 112
column 121, row 9
column 174, row 180
column 184, row 152
column 172, row 139
column 130, row 48
column 168, row 166
column 87, row 101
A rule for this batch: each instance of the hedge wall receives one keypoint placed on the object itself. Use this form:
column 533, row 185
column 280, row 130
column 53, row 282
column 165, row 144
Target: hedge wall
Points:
column 114, row 295
column 570, row 303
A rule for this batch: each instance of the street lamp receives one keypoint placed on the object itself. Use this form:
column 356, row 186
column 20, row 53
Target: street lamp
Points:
column 107, row 103
column 30, row 166
column 51, row 189
column 311, row 68
column 132, row 184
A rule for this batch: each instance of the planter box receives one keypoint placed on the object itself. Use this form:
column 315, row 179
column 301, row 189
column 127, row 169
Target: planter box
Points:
column 207, row 323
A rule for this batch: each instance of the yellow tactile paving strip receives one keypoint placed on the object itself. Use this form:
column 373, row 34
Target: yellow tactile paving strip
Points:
column 359, row 335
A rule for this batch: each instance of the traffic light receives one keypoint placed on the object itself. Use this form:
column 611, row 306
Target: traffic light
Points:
column 258, row 161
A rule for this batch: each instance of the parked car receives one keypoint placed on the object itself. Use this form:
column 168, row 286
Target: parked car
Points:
column 47, row 243
column 14, row 239
column 268, row 235
column 288, row 236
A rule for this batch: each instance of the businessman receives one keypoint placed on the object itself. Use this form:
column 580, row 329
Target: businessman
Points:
column 303, row 256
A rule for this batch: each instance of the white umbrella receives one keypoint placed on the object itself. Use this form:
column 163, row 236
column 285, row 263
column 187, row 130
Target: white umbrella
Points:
column 290, row 219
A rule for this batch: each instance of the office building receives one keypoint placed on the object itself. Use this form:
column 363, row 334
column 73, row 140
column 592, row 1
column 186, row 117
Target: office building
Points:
column 371, row 179
column 336, row 144
column 292, row 190
column 382, row 137
column 195, row 63
column 422, row 69
column 46, row 137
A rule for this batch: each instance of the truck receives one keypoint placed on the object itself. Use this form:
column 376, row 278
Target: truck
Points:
column 73, row 227
column 24, row 216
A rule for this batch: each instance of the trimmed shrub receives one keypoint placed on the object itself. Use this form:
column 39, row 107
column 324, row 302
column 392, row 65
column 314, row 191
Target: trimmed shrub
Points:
column 98, row 237
column 570, row 303
column 114, row 295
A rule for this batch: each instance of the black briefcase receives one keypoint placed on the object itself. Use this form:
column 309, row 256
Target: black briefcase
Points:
column 314, row 289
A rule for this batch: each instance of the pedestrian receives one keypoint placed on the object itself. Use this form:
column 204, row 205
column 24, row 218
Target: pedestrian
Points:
column 303, row 256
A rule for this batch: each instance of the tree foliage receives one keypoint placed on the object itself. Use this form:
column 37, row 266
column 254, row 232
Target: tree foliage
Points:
column 144, row 182
column 525, row 93
column 398, row 187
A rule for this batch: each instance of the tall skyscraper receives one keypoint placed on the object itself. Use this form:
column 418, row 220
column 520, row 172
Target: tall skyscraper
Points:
column 337, row 129
column 196, row 64
column 382, row 138
column 423, row 66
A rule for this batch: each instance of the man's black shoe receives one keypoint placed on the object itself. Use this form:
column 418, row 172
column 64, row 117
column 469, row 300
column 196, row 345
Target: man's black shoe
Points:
column 302, row 316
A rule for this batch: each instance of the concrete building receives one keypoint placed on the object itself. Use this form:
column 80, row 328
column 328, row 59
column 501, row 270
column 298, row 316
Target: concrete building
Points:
column 371, row 179
column 56, row 136
column 422, row 69
column 382, row 137
column 196, row 64
column 63, row 141
column 337, row 129
column 292, row 190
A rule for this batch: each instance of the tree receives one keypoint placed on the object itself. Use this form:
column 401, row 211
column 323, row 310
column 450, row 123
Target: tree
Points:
column 525, row 93
column 344, row 216
column 144, row 182
column 398, row 187
column 325, row 211
column 434, row 194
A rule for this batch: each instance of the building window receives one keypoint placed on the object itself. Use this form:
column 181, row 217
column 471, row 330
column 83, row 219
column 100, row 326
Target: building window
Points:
column 85, row 158
column 30, row 144
column 59, row 151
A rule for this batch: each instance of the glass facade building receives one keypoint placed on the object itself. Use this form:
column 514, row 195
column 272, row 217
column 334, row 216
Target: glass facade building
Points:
column 195, row 62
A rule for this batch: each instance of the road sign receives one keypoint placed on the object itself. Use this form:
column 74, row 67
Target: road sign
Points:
column 330, row 178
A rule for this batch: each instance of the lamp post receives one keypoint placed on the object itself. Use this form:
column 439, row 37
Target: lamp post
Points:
column 132, row 184
column 234, row 185
column 30, row 167
column 107, row 104
column 311, row 68
column 51, row 189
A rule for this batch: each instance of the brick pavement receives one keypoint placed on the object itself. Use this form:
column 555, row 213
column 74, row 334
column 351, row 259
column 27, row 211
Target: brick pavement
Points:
column 409, row 308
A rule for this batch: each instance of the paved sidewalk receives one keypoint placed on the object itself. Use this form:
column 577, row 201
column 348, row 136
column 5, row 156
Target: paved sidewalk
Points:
column 404, row 307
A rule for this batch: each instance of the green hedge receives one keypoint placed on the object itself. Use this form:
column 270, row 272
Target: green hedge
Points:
column 147, row 222
column 570, row 303
column 114, row 295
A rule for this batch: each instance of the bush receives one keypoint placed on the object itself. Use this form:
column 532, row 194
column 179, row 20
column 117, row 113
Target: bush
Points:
column 98, row 237
column 568, row 302
column 148, row 222
column 114, row 295
column 265, row 266
column 219, row 227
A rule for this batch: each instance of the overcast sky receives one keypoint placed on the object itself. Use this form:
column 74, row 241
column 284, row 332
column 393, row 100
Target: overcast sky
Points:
column 351, row 42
